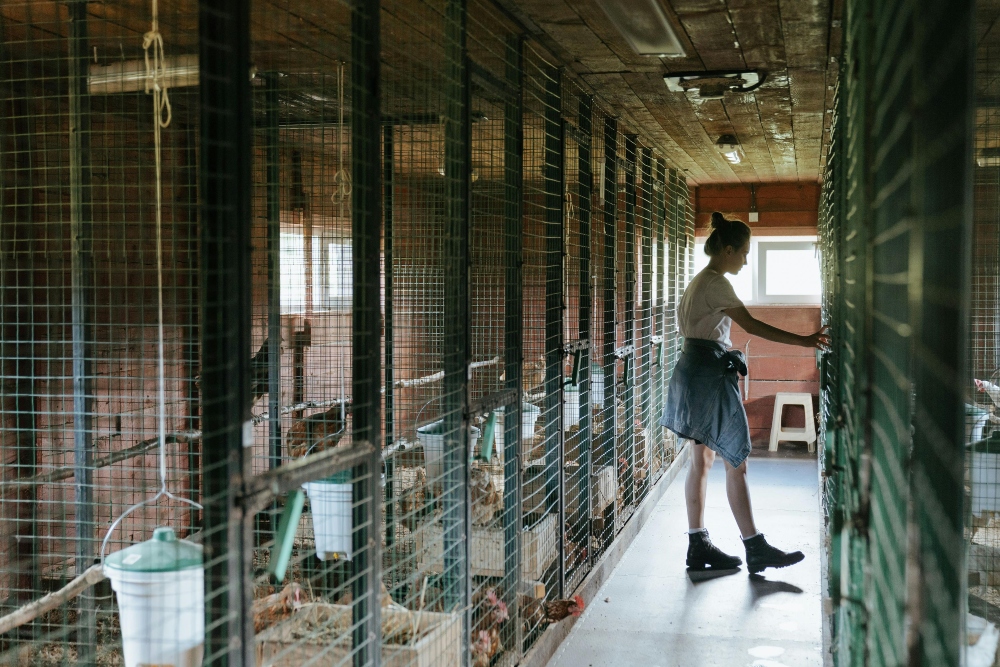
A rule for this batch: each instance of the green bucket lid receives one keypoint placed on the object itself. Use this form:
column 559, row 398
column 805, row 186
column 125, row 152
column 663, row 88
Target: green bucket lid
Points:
column 163, row 553
column 342, row 477
column 437, row 428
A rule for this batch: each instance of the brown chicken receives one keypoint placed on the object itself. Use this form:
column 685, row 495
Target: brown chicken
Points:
column 276, row 607
column 487, row 498
column 557, row 610
column 323, row 430
column 532, row 374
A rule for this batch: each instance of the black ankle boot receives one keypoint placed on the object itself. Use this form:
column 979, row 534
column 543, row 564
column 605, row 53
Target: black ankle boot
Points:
column 702, row 554
column 761, row 555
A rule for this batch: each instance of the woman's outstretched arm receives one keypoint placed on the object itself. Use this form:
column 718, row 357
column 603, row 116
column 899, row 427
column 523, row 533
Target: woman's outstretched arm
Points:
column 755, row 327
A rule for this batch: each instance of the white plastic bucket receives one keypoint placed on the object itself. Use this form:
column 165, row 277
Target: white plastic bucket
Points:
column 571, row 406
column 431, row 438
column 529, row 415
column 162, row 613
column 597, row 386
column 985, row 477
column 330, row 505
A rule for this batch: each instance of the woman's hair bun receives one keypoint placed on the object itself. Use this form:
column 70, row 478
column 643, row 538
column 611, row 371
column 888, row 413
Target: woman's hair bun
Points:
column 726, row 232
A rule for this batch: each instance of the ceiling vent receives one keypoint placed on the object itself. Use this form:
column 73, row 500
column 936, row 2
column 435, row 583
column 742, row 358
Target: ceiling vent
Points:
column 712, row 85
column 645, row 26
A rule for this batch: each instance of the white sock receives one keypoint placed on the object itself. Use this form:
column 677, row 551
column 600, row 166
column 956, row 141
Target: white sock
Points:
column 695, row 531
column 752, row 536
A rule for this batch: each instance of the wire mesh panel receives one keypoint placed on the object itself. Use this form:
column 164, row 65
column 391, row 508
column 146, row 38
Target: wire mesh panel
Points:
column 982, row 495
column 313, row 562
column 100, row 323
column 543, row 369
column 226, row 257
column 577, row 112
column 603, row 242
column 897, row 235
column 427, row 146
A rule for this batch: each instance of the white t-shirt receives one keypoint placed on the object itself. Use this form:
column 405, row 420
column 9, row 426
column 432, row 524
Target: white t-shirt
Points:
column 700, row 315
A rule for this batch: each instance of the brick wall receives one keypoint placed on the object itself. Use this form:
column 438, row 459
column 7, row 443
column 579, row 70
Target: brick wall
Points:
column 778, row 368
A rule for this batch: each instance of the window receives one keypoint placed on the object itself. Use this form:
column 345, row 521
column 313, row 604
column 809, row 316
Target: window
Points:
column 789, row 272
column 779, row 270
column 332, row 276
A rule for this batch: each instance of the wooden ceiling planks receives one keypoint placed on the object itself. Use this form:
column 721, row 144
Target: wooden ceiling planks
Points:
column 780, row 126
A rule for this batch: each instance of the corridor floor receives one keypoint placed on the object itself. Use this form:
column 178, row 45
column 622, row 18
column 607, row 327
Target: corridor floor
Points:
column 652, row 613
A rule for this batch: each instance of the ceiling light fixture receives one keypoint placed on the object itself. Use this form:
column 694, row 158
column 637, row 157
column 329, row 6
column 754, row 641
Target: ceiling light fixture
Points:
column 729, row 146
column 988, row 157
column 645, row 26
column 712, row 85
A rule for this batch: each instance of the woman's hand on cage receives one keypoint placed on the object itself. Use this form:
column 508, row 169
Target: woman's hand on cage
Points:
column 819, row 340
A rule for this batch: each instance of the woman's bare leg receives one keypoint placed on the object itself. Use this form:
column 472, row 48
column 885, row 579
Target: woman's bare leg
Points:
column 696, row 485
column 738, row 492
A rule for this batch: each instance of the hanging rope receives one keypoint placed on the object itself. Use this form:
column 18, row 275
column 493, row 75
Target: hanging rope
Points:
column 342, row 179
column 156, row 84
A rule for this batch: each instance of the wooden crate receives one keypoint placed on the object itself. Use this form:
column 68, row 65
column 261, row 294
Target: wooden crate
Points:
column 439, row 646
column 538, row 548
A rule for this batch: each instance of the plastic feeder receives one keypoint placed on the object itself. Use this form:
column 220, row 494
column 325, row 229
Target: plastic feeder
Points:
column 529, row 415
column 160, row 585
column 571, row 405
column 431, row 437
column 331, row 504
column 596, row 386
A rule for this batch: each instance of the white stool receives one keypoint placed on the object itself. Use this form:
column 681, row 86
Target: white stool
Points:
column 808, row 434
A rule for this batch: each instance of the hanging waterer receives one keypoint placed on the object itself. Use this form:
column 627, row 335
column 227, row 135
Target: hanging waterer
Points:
column 529, row 416
column 160, row 585
column 431, row 437
column 331, row 505
column 571, row 405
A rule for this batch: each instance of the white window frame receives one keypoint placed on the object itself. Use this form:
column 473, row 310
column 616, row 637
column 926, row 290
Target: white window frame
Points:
column 760, row 248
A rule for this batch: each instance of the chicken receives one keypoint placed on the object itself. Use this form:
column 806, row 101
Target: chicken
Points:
column 385, row 598
column 487, row 498
column 490, row 613
column 533, row 374
column 531, row 613
column 276, row 607
column 557, row 610
column 324, row 430
column 412, row 500
column 259, row 367
column 991, row 389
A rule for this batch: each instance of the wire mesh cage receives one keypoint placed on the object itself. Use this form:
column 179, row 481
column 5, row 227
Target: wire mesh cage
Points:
column 355, row 320
column 981, row 464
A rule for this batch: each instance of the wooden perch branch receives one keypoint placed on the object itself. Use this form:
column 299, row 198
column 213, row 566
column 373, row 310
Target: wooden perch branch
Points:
column 67, row 472
column 32, row 610
column 305, row 405
column 434, row 377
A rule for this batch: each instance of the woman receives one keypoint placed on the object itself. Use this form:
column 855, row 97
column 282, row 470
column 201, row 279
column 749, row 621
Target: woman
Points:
column 704, row 403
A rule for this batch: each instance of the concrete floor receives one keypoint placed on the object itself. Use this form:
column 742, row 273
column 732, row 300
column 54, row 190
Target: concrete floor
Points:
column 651, row 613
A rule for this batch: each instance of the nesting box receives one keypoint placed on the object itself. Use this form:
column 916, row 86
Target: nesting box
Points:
column 538, row 548
column 319, row 634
